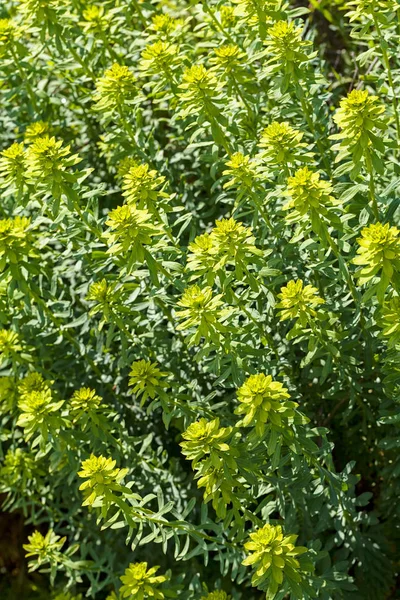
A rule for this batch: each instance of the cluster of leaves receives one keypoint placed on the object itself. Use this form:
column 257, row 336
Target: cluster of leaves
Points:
column 200, row 298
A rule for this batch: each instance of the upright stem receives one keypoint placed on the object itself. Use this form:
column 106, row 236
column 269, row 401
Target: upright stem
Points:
column 217, row 23
column 372, row 195
column 310, row 123
column 386, row 62
column 24, row 79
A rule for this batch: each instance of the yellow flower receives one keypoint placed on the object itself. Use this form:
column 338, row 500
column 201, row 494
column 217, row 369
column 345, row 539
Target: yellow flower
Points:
column 158, row 58
column 10, row 344
column 101, row 475
column 308, row 193
column 228, row 56
column 115, row 89
column 261, row 400
column 203, row 438
column 14, row 166
column 359, row 114
column 286, row 47
column 48, row 159
column 298, row 302
column 37, row 408
column 140, row 583
column 36, row 130
column 379, row 251
column 33, row 382
column 46, row 548
column 145, row 377
column 281, row 143
column 85, row 399
column 9, row 33
column 201, row 310
column 141, row 186
column 243, row 172
column 273, row 556
column 130, row 230
column 15, row 241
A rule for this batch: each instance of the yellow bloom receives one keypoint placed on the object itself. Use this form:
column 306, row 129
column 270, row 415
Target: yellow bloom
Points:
column 379, row 250
column 261, row 400
column 115, row 89
column 273, row 556
column 203, row 438
column 140, row 583
column 101, row 475
column 146, row 379
column 298, row 302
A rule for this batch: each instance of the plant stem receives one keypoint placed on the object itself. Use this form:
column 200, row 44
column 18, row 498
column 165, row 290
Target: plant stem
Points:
column 25, row 80
column 386, row 62
column 371, row 183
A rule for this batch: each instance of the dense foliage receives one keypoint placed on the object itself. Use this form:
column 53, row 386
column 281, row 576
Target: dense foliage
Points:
column 199, row 299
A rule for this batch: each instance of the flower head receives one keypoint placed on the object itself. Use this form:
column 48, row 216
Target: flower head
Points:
column 243, row 172
column 37, row 408
column 286, row 47
column 10, row 345
column 36, row 130
column 233, row 240
column 298, row 302
column 47, row 548
column 100, row 474
column 146, row 379
column 228, row 57
column 14, row 166
column 48, row 159
column 141, row 186
column 19, row 471
column 33, row 382
column 261, row 400
column 106, row 295
column 357, row 118
column 140, row 583
column 379, row 250
column 203, row 438
column 281, row 143
column 227, row 16
column 308, row 193
column 273, row 556
column 8, row 394
column 96, row 20
column 201, row 310
column 202, row 255
column 10, row 32
column 164, row 24
column 159, row 58
column 200, row 88
column 115, row 89
column 391, row 321
column 85, row 399
column 130, row 230
column 15, row 241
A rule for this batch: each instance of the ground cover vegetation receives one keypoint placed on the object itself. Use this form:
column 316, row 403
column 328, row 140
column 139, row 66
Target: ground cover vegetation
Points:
column 199, row 299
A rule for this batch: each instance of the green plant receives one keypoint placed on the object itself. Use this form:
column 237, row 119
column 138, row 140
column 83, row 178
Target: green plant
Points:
column 200, row 299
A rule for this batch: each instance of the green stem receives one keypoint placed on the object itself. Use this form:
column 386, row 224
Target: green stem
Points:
column 25, row 80
column 310, row 123
column 140, row 13
column 79, row 60
column 217, row 23
column 386, row 62
column 371, row 184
